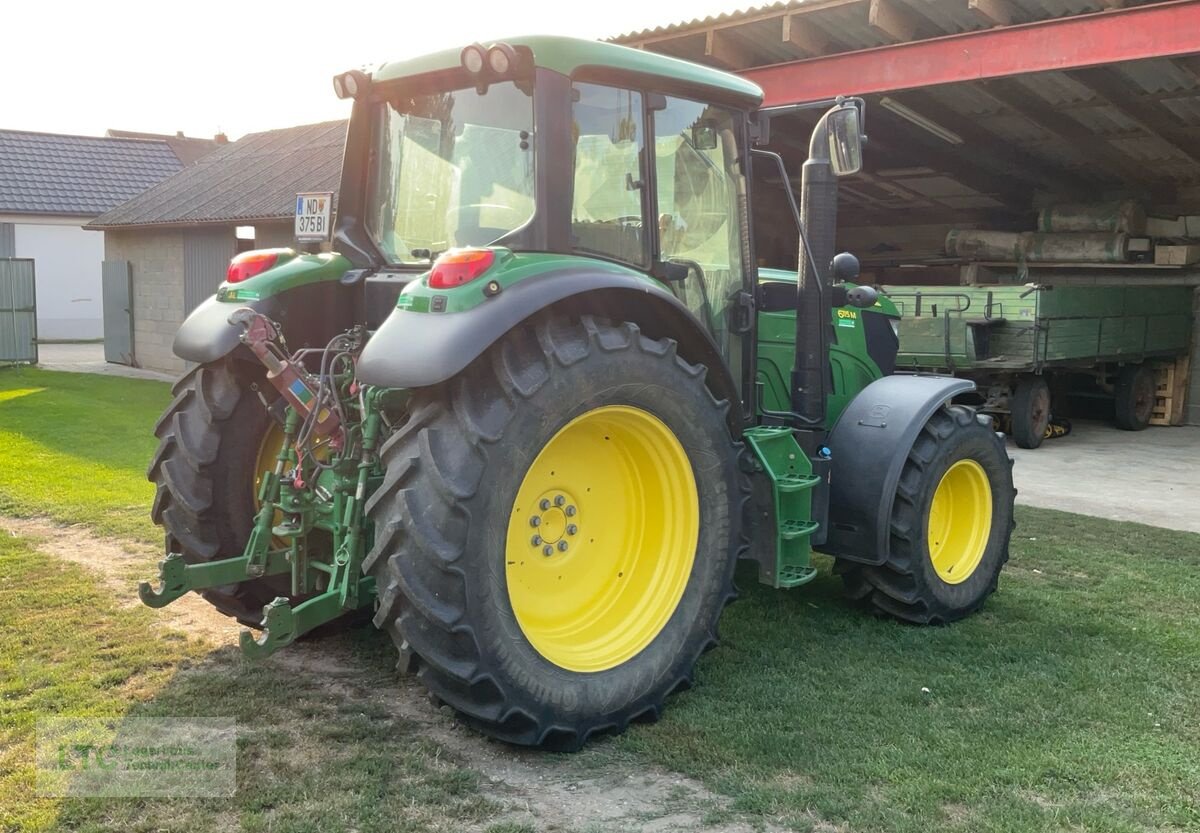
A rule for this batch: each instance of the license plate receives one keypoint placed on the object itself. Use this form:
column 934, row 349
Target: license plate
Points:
column 313, row 212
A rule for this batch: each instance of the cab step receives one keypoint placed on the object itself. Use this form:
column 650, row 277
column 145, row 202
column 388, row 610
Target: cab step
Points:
column 790, row 476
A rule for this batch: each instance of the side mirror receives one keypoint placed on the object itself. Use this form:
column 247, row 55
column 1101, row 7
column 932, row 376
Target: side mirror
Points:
column 704, row 136
column 845, row 140
column 844, row 267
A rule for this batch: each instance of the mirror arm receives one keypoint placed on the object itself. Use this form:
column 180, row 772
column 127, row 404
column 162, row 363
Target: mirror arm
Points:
column 787, row 183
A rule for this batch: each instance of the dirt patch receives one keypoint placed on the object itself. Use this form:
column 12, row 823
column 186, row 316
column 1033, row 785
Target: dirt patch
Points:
column 588, row 792
column 120, row 565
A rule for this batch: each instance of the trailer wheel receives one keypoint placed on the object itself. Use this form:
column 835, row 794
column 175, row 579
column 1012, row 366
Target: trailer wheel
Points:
column 1030, row 407
column 950, row 525
column 1134, row 397
column 557, row 531
column 215, row 439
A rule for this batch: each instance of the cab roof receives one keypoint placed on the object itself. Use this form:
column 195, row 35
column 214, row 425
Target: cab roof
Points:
column 570, row 55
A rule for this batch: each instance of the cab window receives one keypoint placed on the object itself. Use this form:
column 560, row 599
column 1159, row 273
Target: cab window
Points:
column 700, row 184
column 606, row 208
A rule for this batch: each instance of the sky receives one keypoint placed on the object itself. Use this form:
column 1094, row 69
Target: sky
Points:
column 239, row 67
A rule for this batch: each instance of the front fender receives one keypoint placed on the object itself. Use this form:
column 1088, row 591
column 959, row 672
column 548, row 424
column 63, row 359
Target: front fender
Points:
column 869, row 447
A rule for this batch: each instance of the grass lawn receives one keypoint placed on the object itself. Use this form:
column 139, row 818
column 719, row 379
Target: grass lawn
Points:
column 76, row 447
column 306, row 761
column 1070, row 703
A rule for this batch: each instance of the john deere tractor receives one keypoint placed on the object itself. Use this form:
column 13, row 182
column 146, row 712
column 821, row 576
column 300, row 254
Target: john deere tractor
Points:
column 535, row 399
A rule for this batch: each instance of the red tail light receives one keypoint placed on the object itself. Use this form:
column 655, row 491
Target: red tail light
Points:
column 248, row 264
column 459, row 266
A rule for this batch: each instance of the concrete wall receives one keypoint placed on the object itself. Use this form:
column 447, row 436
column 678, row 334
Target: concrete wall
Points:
column 1192, row 415
column 156, row 259
column 67, row 269
column 274, row 235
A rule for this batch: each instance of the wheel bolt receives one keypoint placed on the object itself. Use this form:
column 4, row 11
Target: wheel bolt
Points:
column 559, row 500
column 535, row 521
column 545, row 504
column 572, row 529
column 536, row 540
column 547, row 550
column 570, row 510
column 562, row 546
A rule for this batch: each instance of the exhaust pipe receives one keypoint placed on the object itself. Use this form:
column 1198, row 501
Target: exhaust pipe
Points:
column 818, row 210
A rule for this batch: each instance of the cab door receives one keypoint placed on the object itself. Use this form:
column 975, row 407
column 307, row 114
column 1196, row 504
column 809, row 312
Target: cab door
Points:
column 699, row 192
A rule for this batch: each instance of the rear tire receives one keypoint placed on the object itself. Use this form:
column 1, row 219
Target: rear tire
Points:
column 911, row 585
column 1134, row 397
column 204, row 473
column 445, row 561
column 1030, row 407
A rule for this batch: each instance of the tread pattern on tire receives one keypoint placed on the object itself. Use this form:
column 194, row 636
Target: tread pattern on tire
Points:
column 434, row 464
column 189, row 434
column 895, row 588
column 1125, row 415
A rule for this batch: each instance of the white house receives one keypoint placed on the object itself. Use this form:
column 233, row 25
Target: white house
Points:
column 50, row 186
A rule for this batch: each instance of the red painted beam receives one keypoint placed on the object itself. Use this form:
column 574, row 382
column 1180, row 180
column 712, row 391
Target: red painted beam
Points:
column 1155, row 31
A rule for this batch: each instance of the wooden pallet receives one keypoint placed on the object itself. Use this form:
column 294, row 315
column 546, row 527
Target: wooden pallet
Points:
column 1170, row 390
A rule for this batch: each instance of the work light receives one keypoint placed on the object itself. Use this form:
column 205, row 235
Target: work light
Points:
column 501, row 58
column 473, row 59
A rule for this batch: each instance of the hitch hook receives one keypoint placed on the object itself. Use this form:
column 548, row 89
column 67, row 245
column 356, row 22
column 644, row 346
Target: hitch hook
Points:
column 172, row 582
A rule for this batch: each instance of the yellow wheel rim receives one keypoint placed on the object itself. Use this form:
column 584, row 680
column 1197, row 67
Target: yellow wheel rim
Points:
column 960, row 521
column 268, row 452
column 602, row 538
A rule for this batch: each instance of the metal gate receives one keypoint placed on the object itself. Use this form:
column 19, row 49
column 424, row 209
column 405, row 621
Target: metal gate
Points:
column 118, row 311
column 18, row 311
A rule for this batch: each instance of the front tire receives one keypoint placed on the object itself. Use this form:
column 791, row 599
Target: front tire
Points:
column 557, row 531
column 950, row 524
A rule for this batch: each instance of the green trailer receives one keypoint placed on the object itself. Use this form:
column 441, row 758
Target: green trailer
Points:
column 1021, row 343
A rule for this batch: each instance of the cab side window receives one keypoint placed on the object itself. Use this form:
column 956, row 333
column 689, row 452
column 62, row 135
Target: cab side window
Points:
column 700, row 186
column 610, row 153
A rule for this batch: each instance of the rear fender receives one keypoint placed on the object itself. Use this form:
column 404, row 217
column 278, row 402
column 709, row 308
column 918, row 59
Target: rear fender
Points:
column 417, row 349
column 309, row 315
column 869, row 447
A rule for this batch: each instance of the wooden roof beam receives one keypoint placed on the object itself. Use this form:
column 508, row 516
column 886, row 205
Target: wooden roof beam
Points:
column 802, row 33
column 809, row 8
column 1125, row 98
column 995, row 12
column 720, row 47
column 893, row 20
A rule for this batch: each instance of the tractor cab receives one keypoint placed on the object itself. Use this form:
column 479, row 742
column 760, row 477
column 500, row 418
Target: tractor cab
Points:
column 468, row 165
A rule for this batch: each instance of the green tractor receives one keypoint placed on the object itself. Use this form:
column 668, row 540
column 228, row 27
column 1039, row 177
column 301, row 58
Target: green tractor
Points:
column 538, row 399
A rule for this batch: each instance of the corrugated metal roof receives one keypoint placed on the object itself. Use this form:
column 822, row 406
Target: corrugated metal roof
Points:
column 48, row 173
column 255, row 178
column 1145, row 111
column 846, row 20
